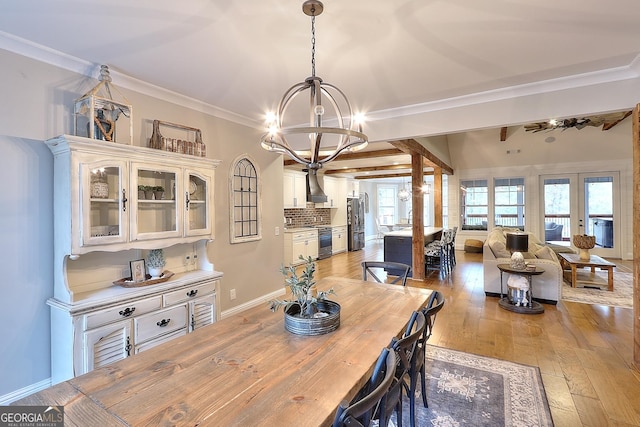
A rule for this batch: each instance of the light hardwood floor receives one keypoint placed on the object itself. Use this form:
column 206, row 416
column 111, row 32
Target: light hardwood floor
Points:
column 584, row 352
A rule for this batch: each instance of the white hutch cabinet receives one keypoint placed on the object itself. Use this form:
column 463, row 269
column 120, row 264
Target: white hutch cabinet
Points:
column 101, row 222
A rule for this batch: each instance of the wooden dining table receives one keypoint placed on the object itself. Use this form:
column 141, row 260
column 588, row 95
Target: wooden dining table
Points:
column 246, row 369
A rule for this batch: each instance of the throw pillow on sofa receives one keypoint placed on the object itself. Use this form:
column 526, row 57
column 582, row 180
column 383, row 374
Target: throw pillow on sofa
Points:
column 546, row 252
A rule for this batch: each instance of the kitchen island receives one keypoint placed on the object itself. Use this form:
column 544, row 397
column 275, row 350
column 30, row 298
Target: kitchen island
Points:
column 245, row 370
column 398, row 245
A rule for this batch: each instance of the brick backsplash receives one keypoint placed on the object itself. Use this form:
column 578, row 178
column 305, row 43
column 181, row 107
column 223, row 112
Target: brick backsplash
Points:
column 302, row 217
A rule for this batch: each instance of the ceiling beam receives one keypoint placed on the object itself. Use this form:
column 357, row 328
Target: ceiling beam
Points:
column 608, row 126
column 392, row 175
column 359, row 155
column 411, row 146
column 366, row 169
column 503, row 134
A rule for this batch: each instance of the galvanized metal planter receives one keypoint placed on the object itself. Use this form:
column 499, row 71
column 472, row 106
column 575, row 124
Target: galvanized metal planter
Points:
column 313, row 326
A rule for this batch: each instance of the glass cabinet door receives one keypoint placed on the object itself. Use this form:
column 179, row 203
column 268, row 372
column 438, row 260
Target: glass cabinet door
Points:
column 104, row 202
column 198, row 221
column 156, row 198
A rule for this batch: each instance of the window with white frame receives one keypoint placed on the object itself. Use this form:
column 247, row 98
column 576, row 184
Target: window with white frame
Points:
column 387, row 204
column 244, row 192
column 509, row 202
column 474, row 204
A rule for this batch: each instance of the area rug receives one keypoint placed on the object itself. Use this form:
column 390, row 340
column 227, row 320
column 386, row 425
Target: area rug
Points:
column 466, row 390
column 595, row 291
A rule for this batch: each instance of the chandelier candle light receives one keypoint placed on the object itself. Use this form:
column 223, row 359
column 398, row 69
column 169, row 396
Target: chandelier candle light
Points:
column 290, row 138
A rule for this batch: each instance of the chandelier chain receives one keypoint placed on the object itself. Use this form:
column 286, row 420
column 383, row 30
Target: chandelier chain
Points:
column 313, row 45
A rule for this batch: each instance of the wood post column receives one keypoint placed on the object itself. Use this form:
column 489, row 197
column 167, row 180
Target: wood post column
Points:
column 417, row 205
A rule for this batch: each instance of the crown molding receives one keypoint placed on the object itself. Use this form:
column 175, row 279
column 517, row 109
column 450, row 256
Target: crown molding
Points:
column 627, row 72
column 71, row 63
column 50, row 56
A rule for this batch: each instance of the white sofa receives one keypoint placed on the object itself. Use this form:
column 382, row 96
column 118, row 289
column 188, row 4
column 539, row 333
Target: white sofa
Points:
column 546, row 287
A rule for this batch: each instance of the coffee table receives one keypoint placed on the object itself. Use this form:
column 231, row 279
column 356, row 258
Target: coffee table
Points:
column 573, row 262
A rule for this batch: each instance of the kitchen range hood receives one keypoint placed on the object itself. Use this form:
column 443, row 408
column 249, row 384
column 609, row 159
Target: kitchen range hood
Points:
column 315, row 194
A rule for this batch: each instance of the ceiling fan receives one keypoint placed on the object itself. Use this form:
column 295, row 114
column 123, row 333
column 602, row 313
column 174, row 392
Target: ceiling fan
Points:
column 607, row 121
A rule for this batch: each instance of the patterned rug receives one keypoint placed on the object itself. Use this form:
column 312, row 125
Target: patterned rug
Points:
column 595, row 291
column 465, row 390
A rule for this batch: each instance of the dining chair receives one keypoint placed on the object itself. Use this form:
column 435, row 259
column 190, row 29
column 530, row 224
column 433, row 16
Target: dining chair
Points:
column 360, row 412
column 398, row 269
column 408, row 351
column 430, row 311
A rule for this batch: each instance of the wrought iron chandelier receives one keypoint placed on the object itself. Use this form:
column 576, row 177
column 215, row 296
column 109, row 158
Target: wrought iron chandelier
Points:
column 294, row 139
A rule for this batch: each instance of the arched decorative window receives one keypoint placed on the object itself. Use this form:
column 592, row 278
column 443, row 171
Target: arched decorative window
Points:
column 245, row 201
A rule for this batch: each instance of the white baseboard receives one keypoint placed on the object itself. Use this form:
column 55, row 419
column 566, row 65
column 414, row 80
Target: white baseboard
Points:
column 24, row 392
column 258, row 301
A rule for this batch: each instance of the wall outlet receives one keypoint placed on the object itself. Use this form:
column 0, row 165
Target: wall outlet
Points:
column 187, row 261
column 232, row 294
column 277, row 231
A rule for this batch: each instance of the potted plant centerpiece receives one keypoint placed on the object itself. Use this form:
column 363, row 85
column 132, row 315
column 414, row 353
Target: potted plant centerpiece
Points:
column 155, row 262
column 308, row 312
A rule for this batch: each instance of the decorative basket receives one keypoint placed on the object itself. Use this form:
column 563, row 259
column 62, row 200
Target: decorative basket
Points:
column 193, row 147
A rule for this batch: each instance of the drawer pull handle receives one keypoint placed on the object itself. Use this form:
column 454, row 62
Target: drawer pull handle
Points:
column 163, row 322
column 127, row 311
column 192, row 293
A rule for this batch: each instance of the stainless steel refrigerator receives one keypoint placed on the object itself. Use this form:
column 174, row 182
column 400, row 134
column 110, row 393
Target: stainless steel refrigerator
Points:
column 355, row 224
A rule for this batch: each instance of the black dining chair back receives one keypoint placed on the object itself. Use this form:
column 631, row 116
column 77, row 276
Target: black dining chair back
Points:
column 374, row 269
column 430, row 311
column 408, row 350
column 360, row 412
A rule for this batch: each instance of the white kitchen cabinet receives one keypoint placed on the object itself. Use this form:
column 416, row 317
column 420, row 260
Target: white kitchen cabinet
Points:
column 335, row 189
column 202, row 312
column 338, row 239
column 101, row 331
column 303, row 241
column 294, row 189
column 105, row 345
column 97, row 204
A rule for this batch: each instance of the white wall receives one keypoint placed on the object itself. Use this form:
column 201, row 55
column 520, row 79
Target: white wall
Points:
column 37, row 100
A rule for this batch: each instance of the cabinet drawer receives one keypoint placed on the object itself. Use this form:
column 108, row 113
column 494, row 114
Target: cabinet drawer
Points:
column 153, row 325
column 189, row 293
column 161, row 340
column 99, row 318
column 303, row 235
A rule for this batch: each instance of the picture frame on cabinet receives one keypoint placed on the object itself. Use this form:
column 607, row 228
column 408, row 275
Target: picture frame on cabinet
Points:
column 138, row 272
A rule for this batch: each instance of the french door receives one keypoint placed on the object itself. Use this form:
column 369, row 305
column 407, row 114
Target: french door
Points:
column 583, row 203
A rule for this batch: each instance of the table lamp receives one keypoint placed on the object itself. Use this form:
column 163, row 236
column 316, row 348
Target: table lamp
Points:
column 516, row 244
